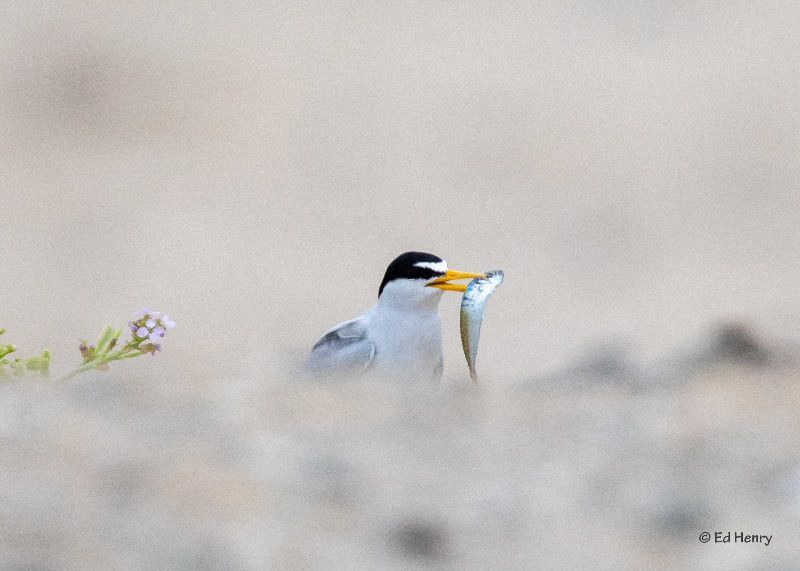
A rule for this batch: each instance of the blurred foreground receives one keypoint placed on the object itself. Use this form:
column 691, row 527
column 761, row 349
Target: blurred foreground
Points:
column 123, row 471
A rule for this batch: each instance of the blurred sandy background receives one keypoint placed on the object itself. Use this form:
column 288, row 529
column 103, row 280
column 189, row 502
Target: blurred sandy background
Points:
column 251, row 168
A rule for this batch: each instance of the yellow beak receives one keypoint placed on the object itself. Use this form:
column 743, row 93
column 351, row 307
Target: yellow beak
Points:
column 450, row 275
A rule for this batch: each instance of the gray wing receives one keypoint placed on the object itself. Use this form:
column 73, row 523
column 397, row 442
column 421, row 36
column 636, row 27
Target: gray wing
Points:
column 343, row 350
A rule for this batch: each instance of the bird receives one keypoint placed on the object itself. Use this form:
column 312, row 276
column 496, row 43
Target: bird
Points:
column 398, row 337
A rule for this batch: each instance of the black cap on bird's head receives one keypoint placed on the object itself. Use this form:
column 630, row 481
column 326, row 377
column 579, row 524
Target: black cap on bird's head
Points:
column 429, row 269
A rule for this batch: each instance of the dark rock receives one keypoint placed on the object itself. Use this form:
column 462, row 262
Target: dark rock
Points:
column 420, row 538
column 737, row 342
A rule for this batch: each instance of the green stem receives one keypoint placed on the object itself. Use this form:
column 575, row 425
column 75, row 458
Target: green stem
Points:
column 82, row 369
column 124, row 353
column 129, row 355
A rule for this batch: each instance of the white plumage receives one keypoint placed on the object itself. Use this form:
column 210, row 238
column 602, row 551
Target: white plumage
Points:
column 400, row 336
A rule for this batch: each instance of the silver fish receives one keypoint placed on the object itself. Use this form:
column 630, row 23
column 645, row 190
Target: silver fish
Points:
column 473, row 304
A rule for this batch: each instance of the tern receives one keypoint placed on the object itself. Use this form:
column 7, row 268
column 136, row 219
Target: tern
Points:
column 399, row 336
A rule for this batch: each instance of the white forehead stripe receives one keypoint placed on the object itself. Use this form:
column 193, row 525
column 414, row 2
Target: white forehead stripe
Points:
column 440, row 267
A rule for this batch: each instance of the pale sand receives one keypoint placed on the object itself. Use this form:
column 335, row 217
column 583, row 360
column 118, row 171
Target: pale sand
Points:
column 252, row 169
column 146, row 471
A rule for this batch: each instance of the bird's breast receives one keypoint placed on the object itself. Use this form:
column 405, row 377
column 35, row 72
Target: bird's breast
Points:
column 406, row 343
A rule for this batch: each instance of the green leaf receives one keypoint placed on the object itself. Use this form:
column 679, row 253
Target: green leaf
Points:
column 107, row 340
column 40, row 364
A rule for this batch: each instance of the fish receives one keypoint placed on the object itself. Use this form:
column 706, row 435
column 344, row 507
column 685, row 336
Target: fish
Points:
column 473, row 304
